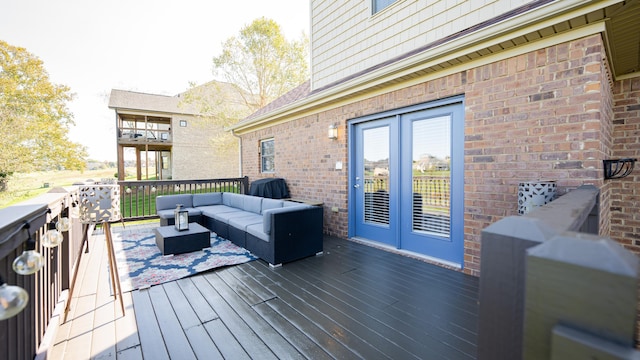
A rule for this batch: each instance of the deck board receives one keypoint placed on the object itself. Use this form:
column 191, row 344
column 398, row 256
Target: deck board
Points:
column 278, row 344
column 206, row 348
column 406, row 335
column 184, row 312
column 174, row 337
column 341, row 311
column 148, row 328
column 305, row 346
column 196, row 299
column 127, row 340
column 354, row 301
column 225, row 307
column 349, row 336
column 103, row 341
column 228, row 345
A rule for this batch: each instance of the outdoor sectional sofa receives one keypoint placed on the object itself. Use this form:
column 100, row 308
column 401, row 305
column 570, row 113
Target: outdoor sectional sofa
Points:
column 277, row 231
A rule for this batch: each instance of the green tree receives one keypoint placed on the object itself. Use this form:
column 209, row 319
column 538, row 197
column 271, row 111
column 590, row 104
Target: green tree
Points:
column 34, row 118
column 261, row 63
column 257, row 66
column 219, row 105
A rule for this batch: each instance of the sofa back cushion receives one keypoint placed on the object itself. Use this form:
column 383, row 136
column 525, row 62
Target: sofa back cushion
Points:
column 270, row 204
column 207, row 199
column 252, row 203
column 233, row 200
column 165, row 202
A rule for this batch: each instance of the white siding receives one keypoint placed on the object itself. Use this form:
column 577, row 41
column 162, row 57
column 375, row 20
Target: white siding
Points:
column 346, row 38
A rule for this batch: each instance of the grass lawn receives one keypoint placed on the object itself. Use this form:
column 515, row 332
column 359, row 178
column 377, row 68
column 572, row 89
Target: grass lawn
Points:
column 26, row 186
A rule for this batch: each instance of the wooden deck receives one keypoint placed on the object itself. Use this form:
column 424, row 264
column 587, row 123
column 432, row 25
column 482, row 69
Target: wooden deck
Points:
column 354, row 301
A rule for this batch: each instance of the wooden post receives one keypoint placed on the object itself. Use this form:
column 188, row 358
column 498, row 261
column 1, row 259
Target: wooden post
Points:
column 582, row 281
column 502, row 267
column 113, row 265
column 502, row 262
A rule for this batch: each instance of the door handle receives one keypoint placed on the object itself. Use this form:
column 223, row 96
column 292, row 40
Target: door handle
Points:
column 356, row 186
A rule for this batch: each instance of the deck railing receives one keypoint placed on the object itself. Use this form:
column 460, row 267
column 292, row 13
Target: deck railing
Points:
column 30, row 333
column 551, row 288
column 137, row 198
column 27, row 334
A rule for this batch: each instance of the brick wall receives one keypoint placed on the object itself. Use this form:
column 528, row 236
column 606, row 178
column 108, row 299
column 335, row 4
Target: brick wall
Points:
column 537, row 116
column 541, row 115
column 625, row 193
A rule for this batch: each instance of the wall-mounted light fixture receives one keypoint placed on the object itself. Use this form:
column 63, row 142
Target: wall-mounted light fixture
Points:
column 333, row 132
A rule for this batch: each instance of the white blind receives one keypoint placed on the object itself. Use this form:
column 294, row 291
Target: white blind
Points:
column 431, row 175
column 376, row 175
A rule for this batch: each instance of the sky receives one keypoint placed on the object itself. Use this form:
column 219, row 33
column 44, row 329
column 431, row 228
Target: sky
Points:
column 151, row 46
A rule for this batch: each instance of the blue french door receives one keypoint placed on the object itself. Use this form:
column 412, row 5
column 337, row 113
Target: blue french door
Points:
column 374, row 183
column 432, row 176
column 407, row 180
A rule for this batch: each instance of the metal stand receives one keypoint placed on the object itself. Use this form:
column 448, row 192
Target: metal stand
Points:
column 113, row 268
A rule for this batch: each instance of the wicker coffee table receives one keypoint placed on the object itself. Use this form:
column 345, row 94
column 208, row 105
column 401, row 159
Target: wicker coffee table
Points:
column 172, row 241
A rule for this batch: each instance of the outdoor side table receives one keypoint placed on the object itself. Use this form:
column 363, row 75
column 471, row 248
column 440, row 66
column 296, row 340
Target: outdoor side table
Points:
column 172, row 241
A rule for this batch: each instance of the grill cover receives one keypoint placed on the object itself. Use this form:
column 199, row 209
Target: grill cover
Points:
column 273, row 188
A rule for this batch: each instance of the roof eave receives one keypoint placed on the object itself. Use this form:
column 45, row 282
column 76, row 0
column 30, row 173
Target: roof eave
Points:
column 510, row 28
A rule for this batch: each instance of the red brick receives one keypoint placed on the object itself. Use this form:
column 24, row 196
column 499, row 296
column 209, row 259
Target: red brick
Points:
column 508, row 138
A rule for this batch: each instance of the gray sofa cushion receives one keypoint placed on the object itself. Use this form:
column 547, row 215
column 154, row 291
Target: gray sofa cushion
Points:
column 214, row 209
column 266, row 224
column 225, row 216
column 165, row 202
column 241, row 222
column 169, row 213
column 233, row 200
column 270, row 204
column 207, row 199
column 252, row 203
column 256, row 230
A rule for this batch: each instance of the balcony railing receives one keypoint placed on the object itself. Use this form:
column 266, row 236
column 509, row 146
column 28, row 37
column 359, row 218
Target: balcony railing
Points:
column 154, row 133
column 138, row 198
column 22, row 335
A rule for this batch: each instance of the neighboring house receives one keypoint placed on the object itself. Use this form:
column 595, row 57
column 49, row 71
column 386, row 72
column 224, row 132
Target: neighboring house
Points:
column 497, row 92
column 176, row 137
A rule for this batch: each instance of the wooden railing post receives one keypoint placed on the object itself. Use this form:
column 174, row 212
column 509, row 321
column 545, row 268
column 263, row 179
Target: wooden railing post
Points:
column 587, row 284
column 502, row 267
column 245, row 185
column 502, row 264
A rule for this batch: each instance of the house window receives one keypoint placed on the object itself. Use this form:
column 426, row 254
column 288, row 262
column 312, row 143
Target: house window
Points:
column 183, row 123
column 267, row 156
column 379, row 5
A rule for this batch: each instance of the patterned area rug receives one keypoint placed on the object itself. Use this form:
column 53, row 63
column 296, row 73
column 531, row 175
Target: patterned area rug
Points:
column 140, row 263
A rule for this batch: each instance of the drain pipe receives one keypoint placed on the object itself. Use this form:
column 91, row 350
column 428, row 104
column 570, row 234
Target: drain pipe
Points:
column 233, row 132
